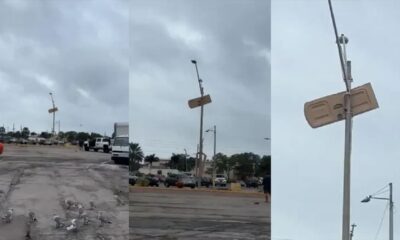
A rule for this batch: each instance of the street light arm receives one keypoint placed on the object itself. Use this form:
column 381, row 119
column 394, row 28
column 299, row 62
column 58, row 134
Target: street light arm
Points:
column 198, row 77
column 380, row 198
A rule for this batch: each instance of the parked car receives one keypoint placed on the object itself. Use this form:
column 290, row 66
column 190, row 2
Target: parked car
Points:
column 220, row 180
column 186, row 181
column 242, row 183
column 153, row 180
column 252, row 183
column 171, row 180
column 132, row 179
column 206, row 182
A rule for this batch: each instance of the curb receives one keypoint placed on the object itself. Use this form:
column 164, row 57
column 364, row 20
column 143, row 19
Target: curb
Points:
column 196, row 190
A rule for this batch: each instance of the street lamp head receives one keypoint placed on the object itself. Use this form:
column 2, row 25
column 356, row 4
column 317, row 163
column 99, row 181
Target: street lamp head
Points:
column 366, row 199
column 194, row 61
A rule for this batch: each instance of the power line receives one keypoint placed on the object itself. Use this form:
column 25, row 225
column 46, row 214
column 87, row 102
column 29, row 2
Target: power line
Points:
column 379, row 191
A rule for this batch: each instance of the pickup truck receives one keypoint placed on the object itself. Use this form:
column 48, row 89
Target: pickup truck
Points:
column 98, row 144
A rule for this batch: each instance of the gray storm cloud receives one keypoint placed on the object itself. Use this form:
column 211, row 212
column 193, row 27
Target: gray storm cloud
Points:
column 76, row 49
column 231, row 42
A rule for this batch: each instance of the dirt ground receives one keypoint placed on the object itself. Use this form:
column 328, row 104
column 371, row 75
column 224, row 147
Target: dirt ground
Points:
column 42, row 179
column 180, row 214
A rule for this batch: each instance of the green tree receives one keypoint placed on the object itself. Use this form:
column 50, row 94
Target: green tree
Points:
column 95, row 135
column 135, row 156
column 25, row 132
column 61, row 135
column 150, row 159
column 82, row 136
column 264, row 167
column 224, row 164
column 2, row 130
column 45, row 135
column 70, row 136
column 190, row 163
column 245, row 164
column 181, row 162
column 17, row 134
column 174, row 161
column 33, row 133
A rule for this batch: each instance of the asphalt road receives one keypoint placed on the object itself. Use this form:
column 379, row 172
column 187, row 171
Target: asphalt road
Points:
column 175, row 214
column 41, row 178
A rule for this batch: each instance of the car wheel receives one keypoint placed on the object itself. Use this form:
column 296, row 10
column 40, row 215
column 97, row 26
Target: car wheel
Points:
column 96, row 149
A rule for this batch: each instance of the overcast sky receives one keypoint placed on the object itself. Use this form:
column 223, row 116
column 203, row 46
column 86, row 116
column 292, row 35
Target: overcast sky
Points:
column 76, row 49
column 308, row 163
column 231, row 42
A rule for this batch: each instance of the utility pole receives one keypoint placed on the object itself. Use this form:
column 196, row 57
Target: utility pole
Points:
column 200, row 153
column 390, row 211
column 346, row 71
column 186, row 155
column 215, row 152
column 215, row 149
column 54, row 113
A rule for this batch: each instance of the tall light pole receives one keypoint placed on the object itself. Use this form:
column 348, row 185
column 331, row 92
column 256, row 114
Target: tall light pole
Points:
column 54, row 112
column 200, row 154
column 215, row 150
column 390, row 199
column 186, row 155
column 346, row 72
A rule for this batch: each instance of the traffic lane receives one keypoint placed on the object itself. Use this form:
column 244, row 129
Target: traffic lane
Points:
column 159, row 214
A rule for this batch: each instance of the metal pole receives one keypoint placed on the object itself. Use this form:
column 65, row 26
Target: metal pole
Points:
column 54, row 113
column 341, row 44
column 390, row 212
column 186, row 155
column 352, row 230
column 197, row 161
column 347, row 150
column 201, row 145
column 200, row 155
column 215, row 149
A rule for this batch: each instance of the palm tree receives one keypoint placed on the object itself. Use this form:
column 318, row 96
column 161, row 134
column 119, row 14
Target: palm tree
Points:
column 150, row 159
column 135, row 156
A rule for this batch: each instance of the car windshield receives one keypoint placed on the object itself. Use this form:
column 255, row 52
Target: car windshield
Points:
column 121, row 141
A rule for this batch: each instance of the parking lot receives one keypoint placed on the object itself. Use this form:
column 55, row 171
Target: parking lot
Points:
column 55, row 180
column 161, row 213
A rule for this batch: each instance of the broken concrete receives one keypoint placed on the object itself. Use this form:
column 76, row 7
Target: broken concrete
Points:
column 42, row 179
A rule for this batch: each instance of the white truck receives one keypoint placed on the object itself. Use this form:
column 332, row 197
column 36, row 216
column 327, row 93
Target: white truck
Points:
column 98, row 144
column 120, row 148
